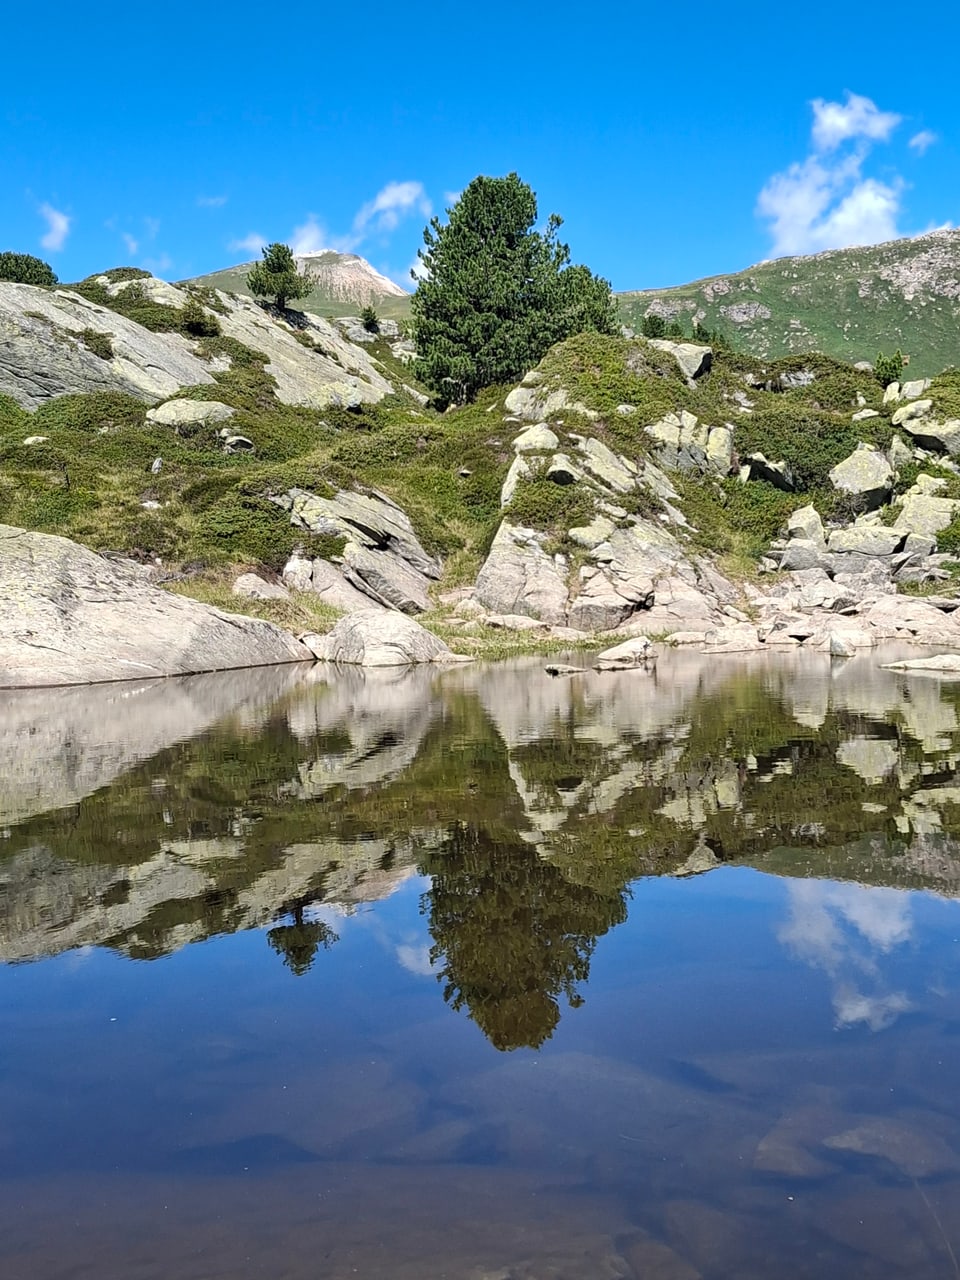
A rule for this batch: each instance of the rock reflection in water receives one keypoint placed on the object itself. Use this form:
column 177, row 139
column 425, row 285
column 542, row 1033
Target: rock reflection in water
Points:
column 752, row 1075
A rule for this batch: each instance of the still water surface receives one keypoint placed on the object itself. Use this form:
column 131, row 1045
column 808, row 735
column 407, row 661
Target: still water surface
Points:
column 478, row 974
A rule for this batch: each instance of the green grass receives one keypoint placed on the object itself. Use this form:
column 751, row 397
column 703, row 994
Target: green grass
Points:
column 845, row 303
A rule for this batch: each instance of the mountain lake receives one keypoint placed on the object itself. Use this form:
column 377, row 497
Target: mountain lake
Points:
column 479, row 974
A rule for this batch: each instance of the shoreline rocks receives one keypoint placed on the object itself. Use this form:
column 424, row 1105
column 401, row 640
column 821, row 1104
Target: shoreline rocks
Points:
column 72, row 616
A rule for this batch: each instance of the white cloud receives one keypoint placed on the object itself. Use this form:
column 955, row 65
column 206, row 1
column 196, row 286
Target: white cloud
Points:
column 251, row 243
column 858, row 117
column 132, row 244
column 451, row 197
column 309, row 237
column 418, row 270
column 153, row 226
column 211, row 202
column 922, row 141
column 58, row 228
column 826, row 201
column 396, row 200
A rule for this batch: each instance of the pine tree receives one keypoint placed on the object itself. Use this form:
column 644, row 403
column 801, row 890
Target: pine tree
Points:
column 496, row 294
column 277, row 276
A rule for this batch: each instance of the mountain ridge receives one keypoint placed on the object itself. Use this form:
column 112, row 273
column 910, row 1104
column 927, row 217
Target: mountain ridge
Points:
column 848, row 303
column 343, row 284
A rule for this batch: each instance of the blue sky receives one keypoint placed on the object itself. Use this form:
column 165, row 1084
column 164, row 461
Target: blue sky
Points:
column 675, row 142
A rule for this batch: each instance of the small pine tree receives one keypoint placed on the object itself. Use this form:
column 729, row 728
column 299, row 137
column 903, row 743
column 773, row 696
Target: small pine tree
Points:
column 370, row 320
column 888, row 368
column 653, row 326
column 24, row 268
column 675, row 330
column 277, row 276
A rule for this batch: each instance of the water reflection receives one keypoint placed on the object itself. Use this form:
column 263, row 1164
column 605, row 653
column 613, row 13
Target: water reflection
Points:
column 147, row 818
column 507, row 978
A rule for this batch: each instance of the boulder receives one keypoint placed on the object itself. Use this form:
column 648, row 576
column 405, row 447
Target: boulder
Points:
column 181, row 413
column 911, row 412
column 536, row 439
column 864, row 415
column 637, row 652
column 694, row 360
column 519, row 577
column 943, row 437
column 252, row 587
column 378, row 638
column 803, row 553
column 806, row 523
column 891, row 393
column 74, row 617
column 720, row 449
column 758, row 467
column 681, row 441
column 372, row 520
column 866, row 540
column 388, row 580
column 866, row 475
column 914, row 389
column 924, row 513
column 329, row 583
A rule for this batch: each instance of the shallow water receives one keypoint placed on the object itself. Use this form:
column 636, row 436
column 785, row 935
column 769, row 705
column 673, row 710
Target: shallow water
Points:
column 482, row 974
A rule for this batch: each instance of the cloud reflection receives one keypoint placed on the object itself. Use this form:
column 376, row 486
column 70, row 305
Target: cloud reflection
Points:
column 844, row 930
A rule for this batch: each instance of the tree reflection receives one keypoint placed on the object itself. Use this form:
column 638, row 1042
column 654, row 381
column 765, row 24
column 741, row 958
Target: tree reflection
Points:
column 297, row 943
column 511, row 934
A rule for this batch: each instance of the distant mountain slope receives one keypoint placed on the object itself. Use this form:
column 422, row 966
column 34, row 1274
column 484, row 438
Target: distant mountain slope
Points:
column 344, row 282
column 849, row 303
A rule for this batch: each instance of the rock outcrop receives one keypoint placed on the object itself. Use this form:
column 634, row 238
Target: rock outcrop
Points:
column 71, row 616
column 44, row 352
column 382, row 559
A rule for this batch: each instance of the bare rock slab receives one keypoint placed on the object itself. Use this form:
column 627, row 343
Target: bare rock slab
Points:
column 71, row 616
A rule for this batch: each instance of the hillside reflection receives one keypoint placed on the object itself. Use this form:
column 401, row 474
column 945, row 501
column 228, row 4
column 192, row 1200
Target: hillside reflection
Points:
column 144, row 818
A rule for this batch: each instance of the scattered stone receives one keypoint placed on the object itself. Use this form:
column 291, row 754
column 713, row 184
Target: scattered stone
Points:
column 238, row 444
column 911, row 412
column 514, row 622
column 36, row 440
column 891, row 393
column 942, row 663
column 561, row 669
column 758, row 467
column 864, row 415
column 866, row 540
column 519, row 470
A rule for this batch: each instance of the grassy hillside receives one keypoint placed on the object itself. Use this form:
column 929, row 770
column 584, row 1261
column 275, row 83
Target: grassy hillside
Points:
column 344, row 283
column 848, row 303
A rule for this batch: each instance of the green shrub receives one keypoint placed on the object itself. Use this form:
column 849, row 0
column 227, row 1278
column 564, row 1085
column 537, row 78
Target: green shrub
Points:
column 24, row 268
column 197, row 322
column 98, row 343
column 538, row 503
column 653, row 326
column 89, row 412
column 117, row 275
column 370, row 320
column 948, row 539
